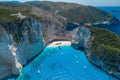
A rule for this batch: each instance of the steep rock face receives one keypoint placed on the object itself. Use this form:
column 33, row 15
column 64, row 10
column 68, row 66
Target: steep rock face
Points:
column 81, row 38
column 6, row 58
column 19, row 42
column 104, row 57
column 53, row 32
column 23, row 39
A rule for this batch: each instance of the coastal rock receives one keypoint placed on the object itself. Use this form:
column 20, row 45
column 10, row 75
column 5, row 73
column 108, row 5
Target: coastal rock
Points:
column 97, row 51
column 52, row 31
column 81, row 38
column 20, row 41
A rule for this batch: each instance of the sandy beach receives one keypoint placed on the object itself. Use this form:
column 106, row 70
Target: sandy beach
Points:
column 59, row 43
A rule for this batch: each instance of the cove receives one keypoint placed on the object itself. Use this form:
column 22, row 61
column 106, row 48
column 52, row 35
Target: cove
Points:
column 62, row 63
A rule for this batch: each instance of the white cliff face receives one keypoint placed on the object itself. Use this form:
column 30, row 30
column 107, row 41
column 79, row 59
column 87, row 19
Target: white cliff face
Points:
column 81, row 38
column 17, row 67
column 19, row 42
column 6, row 58
column 34, row 42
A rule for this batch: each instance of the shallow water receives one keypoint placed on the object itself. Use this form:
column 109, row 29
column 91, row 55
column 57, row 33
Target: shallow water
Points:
column 67, row 63
column 63, row 63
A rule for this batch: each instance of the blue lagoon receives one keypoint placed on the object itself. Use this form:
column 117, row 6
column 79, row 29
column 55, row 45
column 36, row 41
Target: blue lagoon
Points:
column 62, row 63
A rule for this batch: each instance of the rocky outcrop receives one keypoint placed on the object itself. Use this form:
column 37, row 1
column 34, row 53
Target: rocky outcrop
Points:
column 19, row 41
column 53, row 32
column 81, row 38
column 104, row 57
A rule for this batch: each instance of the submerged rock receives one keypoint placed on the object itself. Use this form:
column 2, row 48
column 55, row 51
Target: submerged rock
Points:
column 101, row 48
column 19, row 41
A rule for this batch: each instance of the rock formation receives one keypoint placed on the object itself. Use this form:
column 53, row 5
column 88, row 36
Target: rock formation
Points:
column 19, row 42
column 22, row 39
column 100, row 46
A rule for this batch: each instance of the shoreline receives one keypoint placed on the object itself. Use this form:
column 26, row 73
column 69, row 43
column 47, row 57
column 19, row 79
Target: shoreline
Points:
column 52, row 44
column 59, row 43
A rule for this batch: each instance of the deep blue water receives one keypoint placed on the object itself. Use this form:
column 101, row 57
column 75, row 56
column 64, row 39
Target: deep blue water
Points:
column 62, row 64
column 113, row 28
column 112, row 9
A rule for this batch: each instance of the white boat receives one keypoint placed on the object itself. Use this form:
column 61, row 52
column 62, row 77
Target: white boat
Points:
column 39, row 71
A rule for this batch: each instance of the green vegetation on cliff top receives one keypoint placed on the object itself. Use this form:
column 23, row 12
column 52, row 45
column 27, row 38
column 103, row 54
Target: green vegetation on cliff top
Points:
column 74, row 12
column 106, row 46
column 86, row 14
column 106, row 39
column 5, row 15
column 70, row 11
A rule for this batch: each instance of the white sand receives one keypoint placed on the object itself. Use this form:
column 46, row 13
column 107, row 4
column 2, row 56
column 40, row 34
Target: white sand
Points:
column 59, row 43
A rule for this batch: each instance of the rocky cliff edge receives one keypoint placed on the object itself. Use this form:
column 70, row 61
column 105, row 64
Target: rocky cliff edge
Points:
column 101, row 47
column 19, row 42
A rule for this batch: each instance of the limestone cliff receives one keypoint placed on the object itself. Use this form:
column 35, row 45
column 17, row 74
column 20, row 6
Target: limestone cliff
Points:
column 101, row 48
column 53, row 32
column 19, row 41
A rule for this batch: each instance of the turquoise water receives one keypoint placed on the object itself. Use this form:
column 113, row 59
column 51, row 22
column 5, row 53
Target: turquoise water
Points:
column 67, row 63
column 63, row 63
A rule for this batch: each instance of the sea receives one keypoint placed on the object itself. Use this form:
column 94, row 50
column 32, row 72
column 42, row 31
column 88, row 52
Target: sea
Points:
column 115, row 11
column 66, row 63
